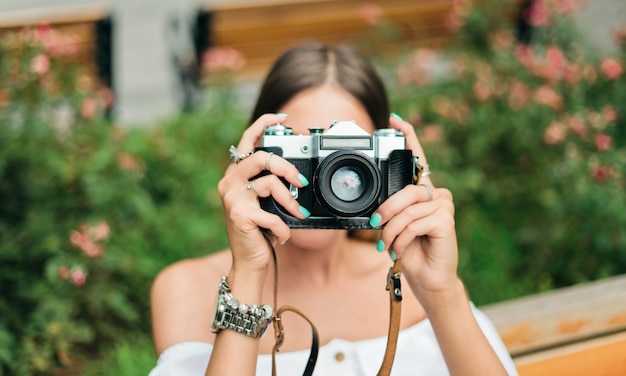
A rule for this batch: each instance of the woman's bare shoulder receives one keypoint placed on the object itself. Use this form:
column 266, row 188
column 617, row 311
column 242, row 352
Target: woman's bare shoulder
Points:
column 189, row 273
column 180, row 292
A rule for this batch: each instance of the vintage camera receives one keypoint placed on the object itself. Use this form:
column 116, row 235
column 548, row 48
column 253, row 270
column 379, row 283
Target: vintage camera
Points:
column 350, row 171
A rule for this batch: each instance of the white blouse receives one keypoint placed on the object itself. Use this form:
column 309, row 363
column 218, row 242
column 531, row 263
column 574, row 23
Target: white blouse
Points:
column 417, row 353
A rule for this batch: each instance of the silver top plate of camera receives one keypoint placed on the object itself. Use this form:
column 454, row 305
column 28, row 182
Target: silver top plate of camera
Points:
column 343, row 135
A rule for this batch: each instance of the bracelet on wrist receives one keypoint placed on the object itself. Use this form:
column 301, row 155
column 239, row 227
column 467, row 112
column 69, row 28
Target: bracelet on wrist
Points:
column 250, row 320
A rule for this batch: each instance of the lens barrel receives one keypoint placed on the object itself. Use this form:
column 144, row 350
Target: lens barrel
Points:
column 347, row 183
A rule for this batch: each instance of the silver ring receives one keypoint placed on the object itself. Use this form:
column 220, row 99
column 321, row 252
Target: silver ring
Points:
column 236, row 156
column 267, row 161
column 430, row 191
column 426, row 171
column 251, row 186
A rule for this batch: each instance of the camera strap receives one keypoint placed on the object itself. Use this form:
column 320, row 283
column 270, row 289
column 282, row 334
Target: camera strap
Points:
column 395, row 309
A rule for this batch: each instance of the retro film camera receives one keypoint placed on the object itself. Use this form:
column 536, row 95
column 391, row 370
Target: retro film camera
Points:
column 350, row 171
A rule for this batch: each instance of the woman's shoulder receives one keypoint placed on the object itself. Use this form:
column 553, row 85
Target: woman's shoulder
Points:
column 179, row 292
column 188, row 271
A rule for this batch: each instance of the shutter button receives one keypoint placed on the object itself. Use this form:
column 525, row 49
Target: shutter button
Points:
column 340, row 357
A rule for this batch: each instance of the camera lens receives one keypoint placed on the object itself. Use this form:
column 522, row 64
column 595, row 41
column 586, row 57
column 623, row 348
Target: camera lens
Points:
column 347, row 183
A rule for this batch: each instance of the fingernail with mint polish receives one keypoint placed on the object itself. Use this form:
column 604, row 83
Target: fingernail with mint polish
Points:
column 397, row 116
column 393, row 256
column 303, row 180
column 380, row 246
column 304, row 212
column 282, row 114
column 375, row 220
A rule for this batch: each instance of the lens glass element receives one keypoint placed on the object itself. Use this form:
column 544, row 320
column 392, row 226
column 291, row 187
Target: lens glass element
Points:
column 346, row 184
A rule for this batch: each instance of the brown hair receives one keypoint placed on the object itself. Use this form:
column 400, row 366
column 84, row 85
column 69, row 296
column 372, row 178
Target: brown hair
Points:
column 312, row 64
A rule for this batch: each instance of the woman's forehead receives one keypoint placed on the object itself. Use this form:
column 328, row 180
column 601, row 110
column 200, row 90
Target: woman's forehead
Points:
column 321, row 106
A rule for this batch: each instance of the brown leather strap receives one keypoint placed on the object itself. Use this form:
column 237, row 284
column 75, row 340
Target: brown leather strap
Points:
column 395, row 310
column 280, row 337
column 279, row 332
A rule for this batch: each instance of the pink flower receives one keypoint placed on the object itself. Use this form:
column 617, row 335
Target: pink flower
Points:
column 40, row 64
column 371, row 13
column 555, row 133
column 525, row 56
column 100, row 231
column 128, row 162
column 482, row 90
column 64, row 272
column 89, row 108
column 538, row 14
column 611, row 68
column 79, row 276
column 455, row 19
column 609, row 113
column 600, row 174
column 431, row 133
column 576, row 124
column 55, row 43
column 223, row 59
column 604, row 142
column 86, row 238
column 556, row 66
column 453, row 22
column 547, row 96
column 42, row 31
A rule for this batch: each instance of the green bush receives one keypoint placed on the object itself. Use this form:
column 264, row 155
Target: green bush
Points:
column 91, row 211
column 530, row 139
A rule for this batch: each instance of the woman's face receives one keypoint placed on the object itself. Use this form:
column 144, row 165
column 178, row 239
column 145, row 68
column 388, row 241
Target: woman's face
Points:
column 319, row 107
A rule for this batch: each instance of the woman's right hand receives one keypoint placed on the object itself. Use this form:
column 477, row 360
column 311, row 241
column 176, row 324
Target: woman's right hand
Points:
column 244, row 217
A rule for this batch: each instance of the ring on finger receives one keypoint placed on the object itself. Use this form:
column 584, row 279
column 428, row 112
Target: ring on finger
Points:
column 236, row 156
column 251, row 186
column 430, row 191
column 267, row 161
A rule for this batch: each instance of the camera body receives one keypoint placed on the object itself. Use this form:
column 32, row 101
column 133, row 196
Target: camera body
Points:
column 350, row 171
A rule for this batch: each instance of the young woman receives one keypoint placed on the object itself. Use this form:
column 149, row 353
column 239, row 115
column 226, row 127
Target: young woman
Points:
column 335, row 279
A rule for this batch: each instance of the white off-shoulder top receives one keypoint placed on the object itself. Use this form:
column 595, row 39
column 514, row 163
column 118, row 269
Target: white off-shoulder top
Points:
column 417, row 353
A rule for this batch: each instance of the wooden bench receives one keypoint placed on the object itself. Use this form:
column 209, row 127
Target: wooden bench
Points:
column 261, row 30
column 578, row 330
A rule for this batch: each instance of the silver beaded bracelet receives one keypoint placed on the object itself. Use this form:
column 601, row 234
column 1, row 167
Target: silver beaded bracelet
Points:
column 230, row 314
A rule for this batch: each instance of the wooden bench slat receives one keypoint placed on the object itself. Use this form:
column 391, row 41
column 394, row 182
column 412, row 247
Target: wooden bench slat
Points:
column 561, row 316
column 604, row 356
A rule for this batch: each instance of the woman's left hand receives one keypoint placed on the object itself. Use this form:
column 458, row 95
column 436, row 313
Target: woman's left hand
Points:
column 419, row 228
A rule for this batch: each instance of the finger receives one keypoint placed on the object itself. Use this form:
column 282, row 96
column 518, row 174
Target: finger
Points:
column 253, row 133
column 248, row 217
column 412, row 142
column 407, row 196
column 274, row 224
column 398, row 226
column 279, row 166
column 270, row 185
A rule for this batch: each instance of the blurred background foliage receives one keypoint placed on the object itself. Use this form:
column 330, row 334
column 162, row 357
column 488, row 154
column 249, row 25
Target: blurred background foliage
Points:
column 524, row 124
